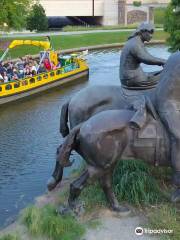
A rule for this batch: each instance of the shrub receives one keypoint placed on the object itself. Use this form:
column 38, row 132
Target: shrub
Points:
column 137, row 3
column 172, row 25
column 46, row 221
column 37, row 19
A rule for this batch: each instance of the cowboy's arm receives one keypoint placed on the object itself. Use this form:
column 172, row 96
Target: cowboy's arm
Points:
column 142, row 55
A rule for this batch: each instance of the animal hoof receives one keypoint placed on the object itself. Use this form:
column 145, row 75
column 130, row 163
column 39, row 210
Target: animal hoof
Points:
column 78, row 209
column 62, row 210
column 51, row 184
column 122, row 211
column 175, row 198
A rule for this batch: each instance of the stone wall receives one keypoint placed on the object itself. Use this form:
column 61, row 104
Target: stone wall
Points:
column 135, row 16
column 138, row 14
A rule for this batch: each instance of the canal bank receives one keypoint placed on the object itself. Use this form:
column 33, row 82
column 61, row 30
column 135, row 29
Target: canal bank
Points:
column 83, row 40
column 99, row 47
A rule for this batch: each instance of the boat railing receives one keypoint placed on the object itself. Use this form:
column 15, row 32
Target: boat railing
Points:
column 46, row 76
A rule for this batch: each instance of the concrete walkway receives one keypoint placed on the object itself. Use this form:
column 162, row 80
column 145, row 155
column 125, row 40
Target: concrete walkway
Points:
column 116, row 228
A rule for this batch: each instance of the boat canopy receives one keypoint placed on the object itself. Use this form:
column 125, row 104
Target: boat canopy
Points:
column 45, row 44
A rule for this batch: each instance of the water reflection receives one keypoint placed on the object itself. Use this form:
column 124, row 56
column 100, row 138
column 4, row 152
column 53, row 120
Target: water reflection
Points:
column 29, row 134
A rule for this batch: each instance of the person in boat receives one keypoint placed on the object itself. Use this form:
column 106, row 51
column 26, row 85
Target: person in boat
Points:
column 133, row 79
column 47, row 64
column 41, row 69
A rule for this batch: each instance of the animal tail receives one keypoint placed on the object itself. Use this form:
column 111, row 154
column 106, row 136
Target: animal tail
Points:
column 65, row 149
column 63, row 157
column 64, row 129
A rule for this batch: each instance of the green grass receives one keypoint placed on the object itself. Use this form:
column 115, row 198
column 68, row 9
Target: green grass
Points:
column 94, row 197
column 159, row 15
column 166, row 217
column 80, row 40
column 133, row 183
column 10, row 237
column 47, row 222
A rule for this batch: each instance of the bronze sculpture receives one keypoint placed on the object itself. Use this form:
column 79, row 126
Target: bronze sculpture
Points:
column 134, row 85
column 105, row 139
column 90, row 136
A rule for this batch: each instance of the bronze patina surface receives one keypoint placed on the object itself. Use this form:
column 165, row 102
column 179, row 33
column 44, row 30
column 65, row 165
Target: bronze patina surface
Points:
column 109, row 123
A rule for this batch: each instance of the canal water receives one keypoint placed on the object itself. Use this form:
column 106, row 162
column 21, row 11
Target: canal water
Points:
column 29, row 134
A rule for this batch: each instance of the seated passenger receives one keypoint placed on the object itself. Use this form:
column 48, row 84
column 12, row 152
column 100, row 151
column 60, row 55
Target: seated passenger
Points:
column 1, row 78
column 28, row 73
column 10, row 70
column 53, row 66
column 5, row 77
column 47, row 64
column 15, row 77
column 58, row 65
column 2, row 68
column 42, row 69
column 34, row 73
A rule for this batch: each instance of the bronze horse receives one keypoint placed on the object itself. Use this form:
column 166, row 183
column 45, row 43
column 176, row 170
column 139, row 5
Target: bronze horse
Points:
column 106, row 137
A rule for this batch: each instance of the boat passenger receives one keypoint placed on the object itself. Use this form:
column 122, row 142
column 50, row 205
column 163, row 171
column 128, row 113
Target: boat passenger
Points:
column 1, row 78
column 42, row 69
column 15, row 77
column 47, row 64
column 5, row 77
column 28, row 73
column 2, row 68
column 34, row 73
column 10, row 70
column 53, row 66
column 58, row 65
column 35, row 64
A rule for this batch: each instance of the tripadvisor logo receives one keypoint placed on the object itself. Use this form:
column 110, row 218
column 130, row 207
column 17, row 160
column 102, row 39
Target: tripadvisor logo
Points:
column 140, row 231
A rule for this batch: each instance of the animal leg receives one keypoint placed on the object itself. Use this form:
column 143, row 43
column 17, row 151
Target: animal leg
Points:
column 77, row 186
column 106, row 184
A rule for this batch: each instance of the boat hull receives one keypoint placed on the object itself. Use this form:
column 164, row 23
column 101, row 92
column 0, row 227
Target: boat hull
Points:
column 60, row 82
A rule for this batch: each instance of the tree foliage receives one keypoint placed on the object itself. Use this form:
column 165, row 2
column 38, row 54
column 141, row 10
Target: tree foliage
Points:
column 13, row 13
column 172, row 24
column 37, row 19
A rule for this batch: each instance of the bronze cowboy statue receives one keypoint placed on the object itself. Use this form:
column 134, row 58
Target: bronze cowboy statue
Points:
column 133, row 79
column 112, row 126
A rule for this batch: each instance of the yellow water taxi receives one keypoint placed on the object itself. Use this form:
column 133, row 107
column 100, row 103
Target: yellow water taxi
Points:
column 71, row 67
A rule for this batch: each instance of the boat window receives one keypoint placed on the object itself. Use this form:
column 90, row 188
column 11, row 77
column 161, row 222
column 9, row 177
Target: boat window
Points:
column 58, row 72
column 52, row 74
column 8, row 87
column 24, row 82
column 45, row 76
column 0, row 89
column 16, row 85
column 39, row 78
column 32, row 80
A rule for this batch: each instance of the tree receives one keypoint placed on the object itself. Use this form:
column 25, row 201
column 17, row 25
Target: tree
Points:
column 37, row 19
column 172, row 24
column 13, row 13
